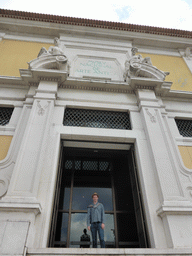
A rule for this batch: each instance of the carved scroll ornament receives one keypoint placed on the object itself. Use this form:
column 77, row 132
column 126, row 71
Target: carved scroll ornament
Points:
column 137, row 66
column 53, row 58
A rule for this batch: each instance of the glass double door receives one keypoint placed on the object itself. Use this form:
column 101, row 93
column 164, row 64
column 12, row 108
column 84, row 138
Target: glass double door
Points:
column 82, row 174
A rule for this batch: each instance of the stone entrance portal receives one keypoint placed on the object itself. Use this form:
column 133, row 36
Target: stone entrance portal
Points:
column 110, row 173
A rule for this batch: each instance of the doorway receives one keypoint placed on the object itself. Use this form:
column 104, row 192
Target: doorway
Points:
column 110, row 173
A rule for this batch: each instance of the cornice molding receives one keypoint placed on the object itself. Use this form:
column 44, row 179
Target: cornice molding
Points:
column 40, row 31
column 90, row 88
column 34, row 76
column 52, row 79
column 175, row 208
column 33, row 84
column 161, row 88
column 94, row 23
column 144, row 87
column 21, row 207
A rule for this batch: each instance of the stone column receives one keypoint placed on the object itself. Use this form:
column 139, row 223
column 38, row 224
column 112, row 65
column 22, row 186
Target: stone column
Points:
column 173, row 203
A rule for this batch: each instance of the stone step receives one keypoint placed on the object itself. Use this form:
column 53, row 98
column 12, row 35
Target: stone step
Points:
column 108, row 252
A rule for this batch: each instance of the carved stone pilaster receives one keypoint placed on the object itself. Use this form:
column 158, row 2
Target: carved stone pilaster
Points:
column 175, row 209
column 166, row 176
column 26, row 175
column 7, row 165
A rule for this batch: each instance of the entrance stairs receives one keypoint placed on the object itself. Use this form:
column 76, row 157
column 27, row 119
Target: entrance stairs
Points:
column 108, row 252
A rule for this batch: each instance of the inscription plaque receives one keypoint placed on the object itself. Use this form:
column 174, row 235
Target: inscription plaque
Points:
column 85, row 67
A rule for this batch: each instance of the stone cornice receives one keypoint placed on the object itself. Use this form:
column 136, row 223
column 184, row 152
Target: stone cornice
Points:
column 177, row 207
column 11, row 80
column 161, row 88
column 37, row 30
column 94, row 23
column 34, row 76
column 21, row 207
column 168, row 210
column 92, row 88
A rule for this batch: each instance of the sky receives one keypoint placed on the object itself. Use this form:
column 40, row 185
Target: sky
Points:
column 175, row 14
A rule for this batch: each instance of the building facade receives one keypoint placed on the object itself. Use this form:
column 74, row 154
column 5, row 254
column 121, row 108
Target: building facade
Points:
column 90, row 106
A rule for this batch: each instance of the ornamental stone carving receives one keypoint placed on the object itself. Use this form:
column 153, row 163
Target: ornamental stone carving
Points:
column 152, row 117
column 53, row 50
column 4, row 184
column 53, row 58
column 188, row 52
column 137, row 66
column 41, row 110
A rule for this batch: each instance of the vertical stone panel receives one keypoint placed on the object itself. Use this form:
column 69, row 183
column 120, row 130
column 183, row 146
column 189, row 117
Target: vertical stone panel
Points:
column 166, row 180
column 13, row 237
column 33, row 146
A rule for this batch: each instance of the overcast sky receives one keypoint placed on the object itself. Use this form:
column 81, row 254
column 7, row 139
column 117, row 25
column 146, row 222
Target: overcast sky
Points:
column 164, row 13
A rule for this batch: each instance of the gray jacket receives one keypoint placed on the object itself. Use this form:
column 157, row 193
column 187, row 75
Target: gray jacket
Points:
column 95, row 213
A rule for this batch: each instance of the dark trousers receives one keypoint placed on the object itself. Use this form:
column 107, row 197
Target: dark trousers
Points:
column 96, row 227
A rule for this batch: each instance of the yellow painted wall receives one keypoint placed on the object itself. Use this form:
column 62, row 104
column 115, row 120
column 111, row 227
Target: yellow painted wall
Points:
column 5, row 142
column 186, row 154
column 15, row 55
column 180, row 74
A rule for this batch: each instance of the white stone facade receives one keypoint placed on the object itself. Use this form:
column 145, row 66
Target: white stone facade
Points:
column 89, row 73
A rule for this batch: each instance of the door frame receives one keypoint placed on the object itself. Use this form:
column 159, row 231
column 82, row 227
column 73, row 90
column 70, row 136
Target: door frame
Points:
column 96, row 146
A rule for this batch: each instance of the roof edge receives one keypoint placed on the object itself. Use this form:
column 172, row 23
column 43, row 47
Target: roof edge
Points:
column 94, row 23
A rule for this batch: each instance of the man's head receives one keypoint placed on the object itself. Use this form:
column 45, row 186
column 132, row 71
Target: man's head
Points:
column 95, row 197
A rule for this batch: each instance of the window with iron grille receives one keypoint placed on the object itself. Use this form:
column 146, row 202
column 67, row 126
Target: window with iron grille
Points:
column 185, row 127
column 97, row 119
column 5, row 115
column 87, row 165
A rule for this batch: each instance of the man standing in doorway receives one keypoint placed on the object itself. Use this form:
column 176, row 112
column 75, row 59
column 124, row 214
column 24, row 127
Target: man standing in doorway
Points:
column 96, row 218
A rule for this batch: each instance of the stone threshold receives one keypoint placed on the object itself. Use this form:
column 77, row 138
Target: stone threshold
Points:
column 108, row 251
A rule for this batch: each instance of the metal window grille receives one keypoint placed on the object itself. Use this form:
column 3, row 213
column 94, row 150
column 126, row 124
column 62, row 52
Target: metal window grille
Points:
column 87, row 165
column 5, row 115
column 97, row 119
column 185, row 127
